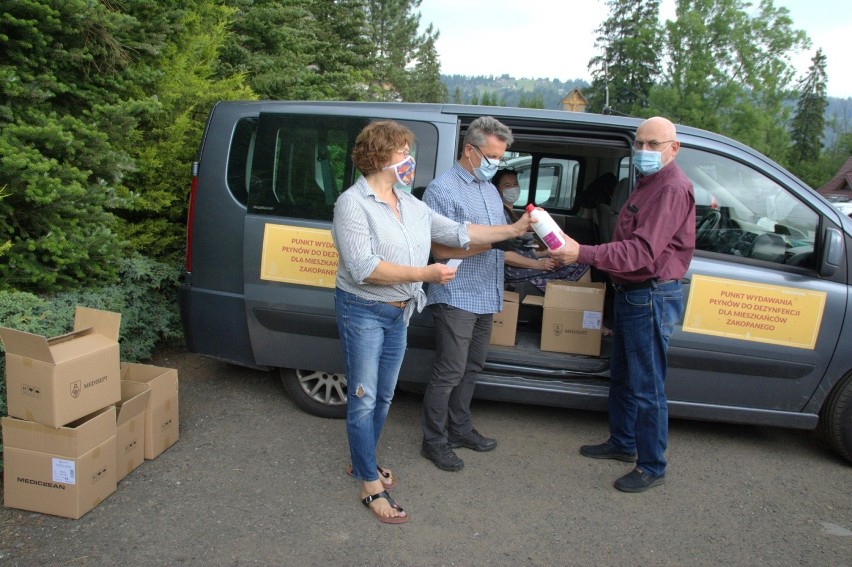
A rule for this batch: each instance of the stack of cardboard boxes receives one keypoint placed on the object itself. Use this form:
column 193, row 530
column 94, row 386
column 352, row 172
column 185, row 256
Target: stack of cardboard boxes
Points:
column 572, row 320
column 79, row 420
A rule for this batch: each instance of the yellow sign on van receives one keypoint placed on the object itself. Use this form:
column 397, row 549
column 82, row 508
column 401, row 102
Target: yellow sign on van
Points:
column 762, row 313
column 298, row 255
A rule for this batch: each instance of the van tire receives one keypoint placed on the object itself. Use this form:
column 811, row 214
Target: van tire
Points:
column 322, row 394
column 836, row 418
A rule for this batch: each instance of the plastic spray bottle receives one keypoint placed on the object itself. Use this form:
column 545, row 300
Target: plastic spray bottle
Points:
column 546, row 228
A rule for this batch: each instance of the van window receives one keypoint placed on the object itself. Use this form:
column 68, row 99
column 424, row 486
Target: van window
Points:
column 239, row 158
column 556, row 180
column 301, row 163
column 742, row 212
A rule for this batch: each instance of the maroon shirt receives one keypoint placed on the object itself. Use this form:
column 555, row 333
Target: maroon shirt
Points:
column 654, row 236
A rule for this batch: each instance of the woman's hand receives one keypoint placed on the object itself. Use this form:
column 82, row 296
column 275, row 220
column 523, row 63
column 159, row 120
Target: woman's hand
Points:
column 438, row 273
column 547, row 264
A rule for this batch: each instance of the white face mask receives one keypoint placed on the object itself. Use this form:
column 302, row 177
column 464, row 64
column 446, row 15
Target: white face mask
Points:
column 510, row 194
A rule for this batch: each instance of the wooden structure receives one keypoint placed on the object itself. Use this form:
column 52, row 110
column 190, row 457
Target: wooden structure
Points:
column 574, row 102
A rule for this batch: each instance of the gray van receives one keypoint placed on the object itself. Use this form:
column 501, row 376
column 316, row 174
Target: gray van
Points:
column 768, row 293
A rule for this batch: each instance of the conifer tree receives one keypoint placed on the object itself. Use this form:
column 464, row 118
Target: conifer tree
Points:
column 406, row 62
column 630, row 41
column 809, row 120
column 424, row 82
column 274, row 44
column 65, row 93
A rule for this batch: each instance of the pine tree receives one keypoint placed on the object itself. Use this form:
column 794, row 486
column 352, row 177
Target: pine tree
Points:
column 457, row 95
column 424, row 82
column 343, row 62
column 406, row 62
column 186, row 88
column 809, row 120
column 275, row 45
column 66, row 91
column 631, row 42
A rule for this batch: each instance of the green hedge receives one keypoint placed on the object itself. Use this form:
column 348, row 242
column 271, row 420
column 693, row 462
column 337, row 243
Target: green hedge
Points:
column 146, row 299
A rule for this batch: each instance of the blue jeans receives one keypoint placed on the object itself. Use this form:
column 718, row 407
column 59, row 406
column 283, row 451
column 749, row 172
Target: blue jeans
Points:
column 638, row 409
column 373, row 336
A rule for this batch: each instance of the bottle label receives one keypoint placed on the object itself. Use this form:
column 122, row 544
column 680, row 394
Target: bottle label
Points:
column 552, row 240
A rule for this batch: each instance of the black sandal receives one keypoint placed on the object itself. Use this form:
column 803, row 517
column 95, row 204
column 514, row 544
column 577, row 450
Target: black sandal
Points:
column 385, row 520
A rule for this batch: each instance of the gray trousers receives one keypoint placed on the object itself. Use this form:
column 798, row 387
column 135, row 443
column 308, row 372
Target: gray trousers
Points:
column 461, row 345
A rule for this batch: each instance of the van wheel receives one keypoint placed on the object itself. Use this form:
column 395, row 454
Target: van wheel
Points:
column 319, row 393
column 835, row 419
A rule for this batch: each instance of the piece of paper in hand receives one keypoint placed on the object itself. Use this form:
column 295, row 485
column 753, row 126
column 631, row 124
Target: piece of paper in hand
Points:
column 453, row 263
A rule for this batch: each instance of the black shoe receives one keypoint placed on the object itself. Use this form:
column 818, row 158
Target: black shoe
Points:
column 473, row 440
column 442, row 456
column 638, row 480
column 606, row 451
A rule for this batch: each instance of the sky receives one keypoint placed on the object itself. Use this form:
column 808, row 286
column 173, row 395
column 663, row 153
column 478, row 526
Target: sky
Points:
column 493, row 37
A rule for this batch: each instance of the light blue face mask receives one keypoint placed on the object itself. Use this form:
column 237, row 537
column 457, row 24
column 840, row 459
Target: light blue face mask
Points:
column 487, row 168
column 647, row 162
column 485, row 171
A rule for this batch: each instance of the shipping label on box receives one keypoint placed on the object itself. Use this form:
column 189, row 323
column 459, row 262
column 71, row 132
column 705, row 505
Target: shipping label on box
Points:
column 130, row 428
column 56, row 381
column 505, row 324
column 162, row 428
column 63, row 471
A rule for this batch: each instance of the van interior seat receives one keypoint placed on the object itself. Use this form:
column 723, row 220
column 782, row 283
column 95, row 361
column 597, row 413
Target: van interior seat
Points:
column 608, row 213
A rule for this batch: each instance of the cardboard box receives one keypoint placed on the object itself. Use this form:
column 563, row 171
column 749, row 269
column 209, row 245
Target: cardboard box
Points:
column 65, row 471
column 56, row 381
column 506, row 322
column 130, row 428
column 573, row 317
column 161, row 412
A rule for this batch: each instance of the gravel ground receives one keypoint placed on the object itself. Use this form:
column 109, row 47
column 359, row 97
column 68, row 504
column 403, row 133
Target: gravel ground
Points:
column 254, row 481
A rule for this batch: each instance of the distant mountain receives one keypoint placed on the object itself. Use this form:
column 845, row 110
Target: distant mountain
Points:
column 839, row 111
column 508, row 90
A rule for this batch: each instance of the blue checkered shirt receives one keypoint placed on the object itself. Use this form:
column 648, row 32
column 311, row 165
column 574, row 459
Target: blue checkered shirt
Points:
column 478, row 285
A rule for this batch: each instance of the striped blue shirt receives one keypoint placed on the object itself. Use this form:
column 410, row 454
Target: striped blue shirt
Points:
column 478, row 285
column 365, row 231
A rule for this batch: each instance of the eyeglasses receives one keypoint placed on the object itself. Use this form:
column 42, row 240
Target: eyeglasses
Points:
column 500, row 162
column 653, row 145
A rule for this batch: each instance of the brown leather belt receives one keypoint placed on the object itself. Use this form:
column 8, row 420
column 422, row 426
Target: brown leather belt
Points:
column 400, row 304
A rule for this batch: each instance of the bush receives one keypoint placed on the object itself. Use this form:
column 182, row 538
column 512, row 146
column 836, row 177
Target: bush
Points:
column 146, row 299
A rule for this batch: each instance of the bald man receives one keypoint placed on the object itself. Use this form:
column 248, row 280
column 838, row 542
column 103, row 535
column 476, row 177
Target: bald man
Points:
column 649, row 254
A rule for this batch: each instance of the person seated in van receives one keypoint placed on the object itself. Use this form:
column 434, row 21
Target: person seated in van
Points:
column 383, row 237
column 599, row 192
column 524, row 262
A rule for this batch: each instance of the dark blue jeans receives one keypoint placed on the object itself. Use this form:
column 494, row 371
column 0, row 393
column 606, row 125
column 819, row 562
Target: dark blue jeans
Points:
column 373, row 336
column 638, row 409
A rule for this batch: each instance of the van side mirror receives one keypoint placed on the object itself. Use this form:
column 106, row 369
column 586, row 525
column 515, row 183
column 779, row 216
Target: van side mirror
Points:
column 831, row 252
